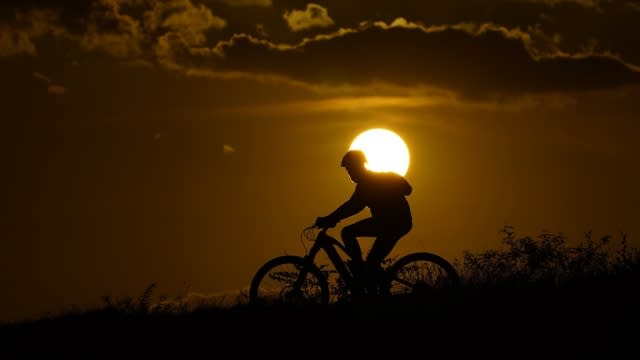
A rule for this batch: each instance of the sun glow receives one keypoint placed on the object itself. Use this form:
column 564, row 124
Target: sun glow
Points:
column 385, row 150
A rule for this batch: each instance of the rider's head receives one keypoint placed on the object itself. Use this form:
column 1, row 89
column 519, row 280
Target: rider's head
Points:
column 354, row 161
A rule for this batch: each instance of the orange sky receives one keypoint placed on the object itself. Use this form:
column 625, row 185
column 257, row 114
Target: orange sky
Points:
column 186, row 142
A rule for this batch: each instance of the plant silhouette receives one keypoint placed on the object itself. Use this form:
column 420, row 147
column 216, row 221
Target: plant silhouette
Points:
column 585, row 292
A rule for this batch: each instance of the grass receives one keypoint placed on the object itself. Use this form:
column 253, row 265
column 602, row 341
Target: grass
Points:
column 530, row 289
column 547, row 260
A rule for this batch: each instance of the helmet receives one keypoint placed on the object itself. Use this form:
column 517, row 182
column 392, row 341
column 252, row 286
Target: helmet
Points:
column 353, row 157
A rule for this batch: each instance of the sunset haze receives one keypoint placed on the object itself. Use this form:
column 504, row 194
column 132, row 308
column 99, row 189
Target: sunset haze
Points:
column 186, row 142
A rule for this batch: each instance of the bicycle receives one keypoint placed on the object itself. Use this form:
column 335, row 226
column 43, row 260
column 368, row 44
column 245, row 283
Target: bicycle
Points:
column 300, row 280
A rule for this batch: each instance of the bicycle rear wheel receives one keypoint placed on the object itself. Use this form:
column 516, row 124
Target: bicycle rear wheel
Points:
column 420, row 273
column 280, row 281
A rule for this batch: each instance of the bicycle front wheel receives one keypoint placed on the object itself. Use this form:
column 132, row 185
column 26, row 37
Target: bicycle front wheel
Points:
column 288, row 279
column 421, row 273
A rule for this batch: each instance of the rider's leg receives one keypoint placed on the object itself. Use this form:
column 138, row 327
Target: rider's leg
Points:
column 384, row 243
column 350, row 233
column 380, row 249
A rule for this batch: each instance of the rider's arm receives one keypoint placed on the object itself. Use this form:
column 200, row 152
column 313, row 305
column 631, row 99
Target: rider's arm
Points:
column 354, row 205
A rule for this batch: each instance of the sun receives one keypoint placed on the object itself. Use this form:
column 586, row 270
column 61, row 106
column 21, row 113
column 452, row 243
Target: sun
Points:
column 385, row 150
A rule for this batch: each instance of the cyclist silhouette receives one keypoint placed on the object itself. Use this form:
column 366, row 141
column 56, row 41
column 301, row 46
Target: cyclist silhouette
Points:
column 384, row 193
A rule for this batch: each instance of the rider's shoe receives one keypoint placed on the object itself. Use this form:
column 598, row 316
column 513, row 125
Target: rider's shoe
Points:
column 372, row 276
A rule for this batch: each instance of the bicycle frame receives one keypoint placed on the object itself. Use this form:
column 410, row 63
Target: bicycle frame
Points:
column 414, row 273
column 325, row 242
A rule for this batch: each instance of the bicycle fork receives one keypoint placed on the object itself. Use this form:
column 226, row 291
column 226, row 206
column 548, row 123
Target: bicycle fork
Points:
column 308, row 262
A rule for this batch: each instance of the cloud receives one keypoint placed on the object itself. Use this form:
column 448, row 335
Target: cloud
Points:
column 583, row 3
column 121, row 28
column 260, row 29
column 228, row 149
column 634, row 6
column 19, row 35
column 39, row 76
column 15, row 42
column 122, row 34
column 240, row 3
column 183, row 17
column 112, row 31
column 473, row 59
column 313, row 16
column 51, row 87
column 180, row 27
column 56, row 89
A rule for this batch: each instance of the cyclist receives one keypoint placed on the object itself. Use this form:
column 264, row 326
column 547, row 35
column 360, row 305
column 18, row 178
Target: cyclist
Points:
column 384, row 193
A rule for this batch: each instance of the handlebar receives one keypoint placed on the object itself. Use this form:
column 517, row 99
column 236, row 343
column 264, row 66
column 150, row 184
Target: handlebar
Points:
column 310, row 231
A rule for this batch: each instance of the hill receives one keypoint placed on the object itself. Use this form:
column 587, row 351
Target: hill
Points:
column 600, row 316
column 535, row 297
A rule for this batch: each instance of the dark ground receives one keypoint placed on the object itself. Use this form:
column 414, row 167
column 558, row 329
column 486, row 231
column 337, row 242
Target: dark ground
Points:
column 589, row 319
